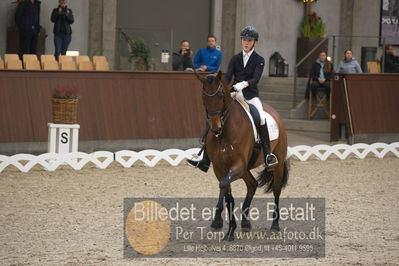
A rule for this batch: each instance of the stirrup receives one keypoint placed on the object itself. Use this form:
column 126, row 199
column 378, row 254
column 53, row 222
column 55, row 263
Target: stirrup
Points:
column 271, row 160
column 203, row 166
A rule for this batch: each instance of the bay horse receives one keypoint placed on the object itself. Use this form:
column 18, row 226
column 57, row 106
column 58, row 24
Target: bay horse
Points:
column 230, row 147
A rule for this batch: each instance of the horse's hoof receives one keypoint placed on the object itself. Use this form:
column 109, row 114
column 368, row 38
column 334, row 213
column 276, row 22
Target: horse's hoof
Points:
column 246, row 226
column 217, row 224
column 229, row 237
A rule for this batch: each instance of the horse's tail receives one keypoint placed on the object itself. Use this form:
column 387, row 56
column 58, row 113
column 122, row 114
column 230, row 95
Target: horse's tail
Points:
column 266, row 178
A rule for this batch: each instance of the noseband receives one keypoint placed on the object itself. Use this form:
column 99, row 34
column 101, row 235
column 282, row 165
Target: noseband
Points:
column 224, row 112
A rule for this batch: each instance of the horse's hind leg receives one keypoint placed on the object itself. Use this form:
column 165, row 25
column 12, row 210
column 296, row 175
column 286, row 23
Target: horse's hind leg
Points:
column 232, row 220
column 277, row 186
column 251, row 184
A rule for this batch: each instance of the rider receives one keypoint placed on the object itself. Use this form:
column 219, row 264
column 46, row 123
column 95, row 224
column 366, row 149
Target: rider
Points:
column 247, row 68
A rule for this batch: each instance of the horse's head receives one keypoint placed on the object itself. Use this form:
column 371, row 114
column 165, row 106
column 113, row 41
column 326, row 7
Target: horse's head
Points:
column 216, row 97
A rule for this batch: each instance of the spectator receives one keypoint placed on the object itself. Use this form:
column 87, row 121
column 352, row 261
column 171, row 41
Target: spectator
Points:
column 182, row 60
column 320, row 75
column 27, row 18
column 349, row 64
column 62, row 17
column 208, row 58
column 391, row 60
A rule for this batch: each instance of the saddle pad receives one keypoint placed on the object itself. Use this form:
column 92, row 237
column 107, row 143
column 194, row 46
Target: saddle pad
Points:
column 271, row 123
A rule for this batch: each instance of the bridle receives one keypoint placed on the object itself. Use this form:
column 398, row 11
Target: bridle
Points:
column 224, row 112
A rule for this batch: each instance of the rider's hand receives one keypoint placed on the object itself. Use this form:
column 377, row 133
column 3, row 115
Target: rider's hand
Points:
column 240, row 85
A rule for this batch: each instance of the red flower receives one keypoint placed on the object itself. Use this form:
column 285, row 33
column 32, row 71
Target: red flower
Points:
column 65, row 93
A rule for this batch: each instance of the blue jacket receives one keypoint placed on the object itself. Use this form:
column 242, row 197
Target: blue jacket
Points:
column 210, row 57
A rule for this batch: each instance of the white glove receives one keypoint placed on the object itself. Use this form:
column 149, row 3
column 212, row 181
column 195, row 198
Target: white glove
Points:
column 240, row 85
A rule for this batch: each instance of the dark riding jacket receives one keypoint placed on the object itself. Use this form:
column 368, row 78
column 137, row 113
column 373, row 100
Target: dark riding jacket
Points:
column 62, row 21
column 27, row 16
column 251, row 73
column 327, row 69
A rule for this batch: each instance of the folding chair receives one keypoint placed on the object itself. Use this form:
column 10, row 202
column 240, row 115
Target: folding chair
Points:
column 99, row 58
column 14, row 64
column 50, row 65
column 85, row 65
column 65, row 58
column 68, row 65
column 82, row 58
column 101, row 66
column 28, row 57
column 46, row 58
column 32, row 65
column 321, row 102
column 10, row 57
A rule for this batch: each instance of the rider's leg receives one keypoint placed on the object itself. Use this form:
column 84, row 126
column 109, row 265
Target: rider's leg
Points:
column 204, row 163
column 270, row 158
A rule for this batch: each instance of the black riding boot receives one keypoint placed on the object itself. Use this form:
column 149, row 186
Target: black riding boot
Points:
column 270, row 158
column 203, row 164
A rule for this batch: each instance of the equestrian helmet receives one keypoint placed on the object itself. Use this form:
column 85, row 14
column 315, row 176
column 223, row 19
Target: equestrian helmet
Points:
column 250, row 33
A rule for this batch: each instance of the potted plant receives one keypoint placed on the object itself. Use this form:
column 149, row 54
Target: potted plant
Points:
column 140, row 53
column 312, row 33
column 65, row 105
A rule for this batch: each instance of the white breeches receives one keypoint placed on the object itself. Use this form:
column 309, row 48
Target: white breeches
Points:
column 257, row 103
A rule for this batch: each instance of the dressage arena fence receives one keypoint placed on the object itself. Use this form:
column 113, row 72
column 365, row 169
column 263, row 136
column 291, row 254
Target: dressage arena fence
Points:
column 150, row 158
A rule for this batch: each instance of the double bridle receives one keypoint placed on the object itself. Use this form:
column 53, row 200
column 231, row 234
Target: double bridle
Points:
column 224, row 112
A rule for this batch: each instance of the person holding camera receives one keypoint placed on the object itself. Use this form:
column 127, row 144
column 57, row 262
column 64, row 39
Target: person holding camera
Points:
column 182, row 60
column 62, row 17
column 27, row 18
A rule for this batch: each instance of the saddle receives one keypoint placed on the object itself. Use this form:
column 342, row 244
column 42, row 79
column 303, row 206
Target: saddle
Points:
column 254, row 116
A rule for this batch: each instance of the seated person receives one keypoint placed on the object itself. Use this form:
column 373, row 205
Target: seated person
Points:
column 391, row 60
column 320, row 75
column 182, row 60
column 349, row 64
column 208, row 58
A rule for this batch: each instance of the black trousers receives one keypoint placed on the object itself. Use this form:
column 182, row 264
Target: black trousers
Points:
column 28, row 41
column 316, row 84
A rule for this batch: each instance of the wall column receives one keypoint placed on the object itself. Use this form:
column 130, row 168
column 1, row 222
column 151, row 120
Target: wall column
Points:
column 102, row 29
column 228, row 31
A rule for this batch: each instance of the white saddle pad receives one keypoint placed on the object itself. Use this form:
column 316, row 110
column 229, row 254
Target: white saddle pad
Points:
column 271, row 123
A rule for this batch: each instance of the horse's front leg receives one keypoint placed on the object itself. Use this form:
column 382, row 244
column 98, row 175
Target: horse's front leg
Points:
column 232, row 220
column 217, row 222
column 251, row 184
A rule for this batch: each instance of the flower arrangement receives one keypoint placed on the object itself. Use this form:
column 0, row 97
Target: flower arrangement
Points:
column 65, row 105
column 66, row 93
column 313, row 26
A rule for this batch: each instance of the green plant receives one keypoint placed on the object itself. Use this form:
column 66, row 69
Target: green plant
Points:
column 313, row 26
column 140, row 51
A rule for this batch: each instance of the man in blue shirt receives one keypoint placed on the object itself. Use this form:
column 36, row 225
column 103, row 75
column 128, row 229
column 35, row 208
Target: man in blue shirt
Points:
column 208, row 58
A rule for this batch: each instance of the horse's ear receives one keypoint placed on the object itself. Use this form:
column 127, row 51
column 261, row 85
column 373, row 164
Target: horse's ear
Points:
column 231, row 82
column 219, row 75
column 200, row 78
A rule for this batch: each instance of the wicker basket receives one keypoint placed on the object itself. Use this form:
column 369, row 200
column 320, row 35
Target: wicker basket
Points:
column 65, row 111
